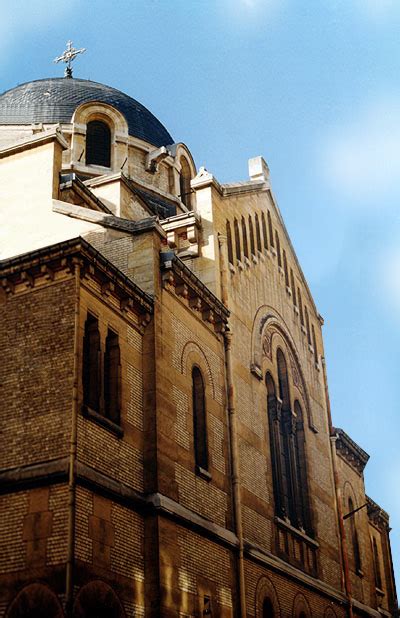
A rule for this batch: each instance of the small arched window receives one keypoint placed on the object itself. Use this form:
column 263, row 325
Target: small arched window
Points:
column 199, row 420
column 268, row 609
column 184, row 183
column 237, row 240
column 307, row 324
column 91, row 364
column 229, row 242
column 244, row 236
column 98, row 143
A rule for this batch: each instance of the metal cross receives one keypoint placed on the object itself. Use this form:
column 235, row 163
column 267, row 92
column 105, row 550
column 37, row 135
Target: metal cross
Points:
column 68, row 56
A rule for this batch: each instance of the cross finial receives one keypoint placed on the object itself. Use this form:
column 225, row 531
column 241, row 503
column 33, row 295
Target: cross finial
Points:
column 68, row 56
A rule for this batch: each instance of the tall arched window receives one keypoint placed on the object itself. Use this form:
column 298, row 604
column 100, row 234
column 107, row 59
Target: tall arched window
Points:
column 278, row 249
column 258, row 233
column 229, row 242
column 354, row 537
column 199, row 420
column 237, row 240
column 98, row 143
column 307, row 324
column 271, row 231
column 314, row 341
column 377, row 567
column 264, row 229
column 252, row 244
column 293, row 287
column 184, row 183
column 112, row 371
column 300, row 304
column 244, row 236
column 288, row 458
column 91, row 364
column 285, row 267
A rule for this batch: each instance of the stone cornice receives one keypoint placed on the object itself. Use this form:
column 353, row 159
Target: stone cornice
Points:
column 377, row 515
column 352, row 453
column 39, row 139
column 180, row 280
column 36, row 267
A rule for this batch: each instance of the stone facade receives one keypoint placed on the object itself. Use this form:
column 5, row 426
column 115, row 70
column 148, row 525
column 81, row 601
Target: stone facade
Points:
column 128, row 488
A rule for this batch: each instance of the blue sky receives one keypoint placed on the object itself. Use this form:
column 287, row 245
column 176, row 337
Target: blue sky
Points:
column 314, row 88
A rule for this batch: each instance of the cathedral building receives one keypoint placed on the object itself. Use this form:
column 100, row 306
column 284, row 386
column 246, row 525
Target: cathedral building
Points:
column 168, row 447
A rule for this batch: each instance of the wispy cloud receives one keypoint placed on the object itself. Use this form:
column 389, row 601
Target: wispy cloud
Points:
column 361, row 157
column 251, row 13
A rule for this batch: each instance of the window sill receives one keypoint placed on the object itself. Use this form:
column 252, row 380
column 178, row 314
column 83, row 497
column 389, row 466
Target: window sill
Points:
column 379, row 592
column 288, row 290
column 360, row 573
column 296, row 309
column 203, row 473
column 103, row 421
column 295, row 531
column 232, row 268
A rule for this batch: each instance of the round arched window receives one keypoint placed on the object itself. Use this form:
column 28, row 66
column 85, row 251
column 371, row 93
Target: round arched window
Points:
column 98, row 143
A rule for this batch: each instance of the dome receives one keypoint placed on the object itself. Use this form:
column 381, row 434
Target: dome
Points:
column 54, row 100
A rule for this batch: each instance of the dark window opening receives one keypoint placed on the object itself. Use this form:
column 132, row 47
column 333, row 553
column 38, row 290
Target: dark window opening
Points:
column 229, row 242
column 237, row 239
column 244, row 236
column 377, row 567
column 278, row 249
column 252, row 244
column 258, row 233
column 307, row 325
column 98, row 143
column 264, row 229
column 300, row 304
column 267, row 609
column 271, row 232
column 293, row 287
column 285, row 267
column 91, row 364
column 112, row 378
column 184, row 184
column 199, row 419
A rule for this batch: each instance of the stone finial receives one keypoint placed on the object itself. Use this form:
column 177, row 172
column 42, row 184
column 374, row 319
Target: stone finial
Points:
column 258, row 169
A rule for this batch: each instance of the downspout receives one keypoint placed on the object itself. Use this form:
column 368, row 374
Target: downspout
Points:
column 69, row 575
column 338, row 495
column 232, row 420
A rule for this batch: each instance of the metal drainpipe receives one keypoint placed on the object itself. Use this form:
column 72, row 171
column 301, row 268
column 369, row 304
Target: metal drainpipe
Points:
column 69, row 575
column 237, row 506
column 342, row 531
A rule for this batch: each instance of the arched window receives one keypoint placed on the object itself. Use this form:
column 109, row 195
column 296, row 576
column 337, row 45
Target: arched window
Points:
column 278, row 249
column 285, row 268
column 35, row 600
column 252, row 244
column 268, row 609
column 91, row 364
column 98, row 143
column 307, row 325
column 293, row 287
column 271, row 232
column 244, row 236
column 354, row 537
column 184, row 183
column 237, row 240
column 229, row 242
column 314, row 340
column 300, row 305
column 258, row 233
column 199, row 420
column 377, row 567
column 112, row 371
column 264, row 229
column 288, row 457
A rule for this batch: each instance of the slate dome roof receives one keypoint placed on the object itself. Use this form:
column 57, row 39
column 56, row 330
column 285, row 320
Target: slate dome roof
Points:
column 55, row 100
